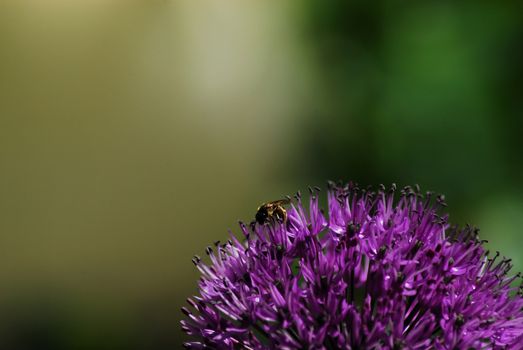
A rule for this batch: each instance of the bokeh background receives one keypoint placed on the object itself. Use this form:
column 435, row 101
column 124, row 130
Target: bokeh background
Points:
column 133, row 133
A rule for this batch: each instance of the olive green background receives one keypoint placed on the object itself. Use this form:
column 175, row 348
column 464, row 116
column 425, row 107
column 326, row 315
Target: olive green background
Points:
column 134, row 133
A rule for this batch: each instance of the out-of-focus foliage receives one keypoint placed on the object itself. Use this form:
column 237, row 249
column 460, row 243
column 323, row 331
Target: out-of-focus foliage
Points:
column 426, row 93
column 133, row 133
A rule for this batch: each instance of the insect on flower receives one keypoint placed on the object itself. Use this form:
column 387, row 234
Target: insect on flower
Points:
column 272, row 211
column 378, row 270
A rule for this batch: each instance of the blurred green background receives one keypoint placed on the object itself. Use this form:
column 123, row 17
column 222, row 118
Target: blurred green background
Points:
column 133, row 133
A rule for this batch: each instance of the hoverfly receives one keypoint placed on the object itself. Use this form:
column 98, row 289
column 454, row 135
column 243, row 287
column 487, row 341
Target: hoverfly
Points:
column 272, row 211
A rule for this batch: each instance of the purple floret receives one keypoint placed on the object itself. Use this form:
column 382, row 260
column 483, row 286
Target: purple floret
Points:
column 381, row 271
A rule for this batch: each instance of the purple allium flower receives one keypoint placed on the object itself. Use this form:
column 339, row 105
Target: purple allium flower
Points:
column 381, row 271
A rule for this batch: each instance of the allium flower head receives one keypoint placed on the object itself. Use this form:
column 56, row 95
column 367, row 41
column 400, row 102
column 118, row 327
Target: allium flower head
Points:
column 380, row 271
